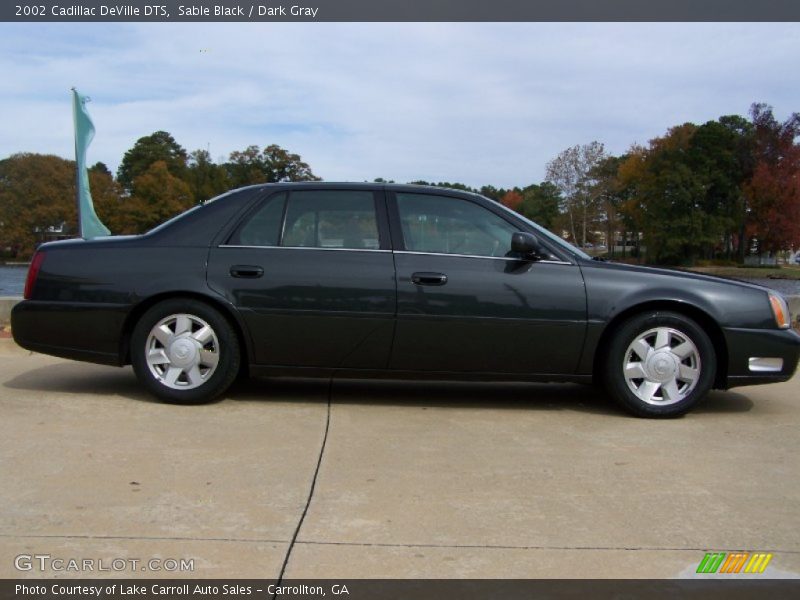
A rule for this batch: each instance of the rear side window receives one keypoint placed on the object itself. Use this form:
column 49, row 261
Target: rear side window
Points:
column 264, row 226
column 331, row 219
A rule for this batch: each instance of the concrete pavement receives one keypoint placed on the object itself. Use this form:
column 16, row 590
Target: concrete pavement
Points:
column 415, row 480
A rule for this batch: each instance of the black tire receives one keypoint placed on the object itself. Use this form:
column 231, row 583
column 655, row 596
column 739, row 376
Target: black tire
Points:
column 224, row 345
column 630, row 392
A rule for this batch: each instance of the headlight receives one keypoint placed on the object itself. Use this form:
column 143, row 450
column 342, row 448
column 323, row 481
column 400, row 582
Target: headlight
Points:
column 780, row 310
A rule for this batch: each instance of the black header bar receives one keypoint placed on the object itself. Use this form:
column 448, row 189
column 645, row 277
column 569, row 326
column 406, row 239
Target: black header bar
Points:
column 398, row 10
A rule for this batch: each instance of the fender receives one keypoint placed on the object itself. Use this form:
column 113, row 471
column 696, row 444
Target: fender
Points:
column 616, row 291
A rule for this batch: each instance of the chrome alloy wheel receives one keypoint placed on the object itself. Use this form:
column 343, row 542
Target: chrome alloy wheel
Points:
column 182, row 351
column 662, row 366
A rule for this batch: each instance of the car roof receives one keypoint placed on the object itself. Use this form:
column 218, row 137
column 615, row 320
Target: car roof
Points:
column 349, row 185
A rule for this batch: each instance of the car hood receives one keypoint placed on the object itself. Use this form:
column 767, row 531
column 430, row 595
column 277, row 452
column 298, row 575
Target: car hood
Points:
column 677, row 274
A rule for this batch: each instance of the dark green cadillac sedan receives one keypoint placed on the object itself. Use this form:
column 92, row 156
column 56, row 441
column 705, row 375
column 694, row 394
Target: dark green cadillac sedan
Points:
column 397, row 281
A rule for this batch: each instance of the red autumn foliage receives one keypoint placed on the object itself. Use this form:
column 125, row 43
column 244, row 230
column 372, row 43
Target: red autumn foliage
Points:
column 773, row 192
column 511, row 199
column 774, row 198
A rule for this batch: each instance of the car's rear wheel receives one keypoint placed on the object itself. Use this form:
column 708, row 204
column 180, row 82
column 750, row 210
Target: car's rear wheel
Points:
column 659, row 364
column 184, row 351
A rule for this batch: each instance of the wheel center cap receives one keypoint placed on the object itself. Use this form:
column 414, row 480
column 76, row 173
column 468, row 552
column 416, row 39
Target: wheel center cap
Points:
column 662, row 366
column 182, row 352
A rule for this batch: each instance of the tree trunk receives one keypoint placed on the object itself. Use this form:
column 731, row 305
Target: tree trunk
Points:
column 572, row 226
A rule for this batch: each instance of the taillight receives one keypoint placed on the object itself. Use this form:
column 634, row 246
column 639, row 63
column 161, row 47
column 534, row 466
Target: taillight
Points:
column 33, row 273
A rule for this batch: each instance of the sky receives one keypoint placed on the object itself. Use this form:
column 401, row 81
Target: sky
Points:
column 477, row 103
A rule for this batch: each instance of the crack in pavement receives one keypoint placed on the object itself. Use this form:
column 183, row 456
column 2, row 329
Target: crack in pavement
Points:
column 293, row 541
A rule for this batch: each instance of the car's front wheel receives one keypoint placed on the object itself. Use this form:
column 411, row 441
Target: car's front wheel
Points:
column 659, row 364
column 184, row 351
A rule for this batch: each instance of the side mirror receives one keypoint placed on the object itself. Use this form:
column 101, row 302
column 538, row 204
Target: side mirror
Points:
column 526, row 244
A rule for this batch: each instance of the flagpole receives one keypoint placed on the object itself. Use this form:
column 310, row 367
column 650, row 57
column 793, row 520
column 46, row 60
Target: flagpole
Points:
column 89, row 224
column 77, row 166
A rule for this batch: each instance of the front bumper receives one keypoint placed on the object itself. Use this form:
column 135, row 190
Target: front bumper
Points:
column 749, row 350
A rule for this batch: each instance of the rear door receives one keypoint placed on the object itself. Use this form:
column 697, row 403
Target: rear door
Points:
column 312, row 274
column 466, row 305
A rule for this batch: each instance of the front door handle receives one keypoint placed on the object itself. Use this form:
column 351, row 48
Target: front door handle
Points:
column 247, row 271
column 429, row 278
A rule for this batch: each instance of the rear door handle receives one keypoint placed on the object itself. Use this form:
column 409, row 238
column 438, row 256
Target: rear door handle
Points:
column 429, row 278
column 247, row 271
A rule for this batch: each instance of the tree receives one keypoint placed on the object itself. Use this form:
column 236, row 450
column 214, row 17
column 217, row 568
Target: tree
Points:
column 111, row 203
column 159, row 146
column 273, row 164
column 540, row 203
column 773, row 192
column 159, row 196
column 718, row 155
column 684, row 191
column 246, row 167
column 100, row 167
column 666, row 197
column 512, row 199
column 570, row 172
column 37, row 194
column 206, row 179
column 611, row 194
column 492, row 192
column 743, row 151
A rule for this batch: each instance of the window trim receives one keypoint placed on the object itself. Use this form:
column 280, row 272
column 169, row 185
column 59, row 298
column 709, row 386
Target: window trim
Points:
column 506, row 258
column 305, row 248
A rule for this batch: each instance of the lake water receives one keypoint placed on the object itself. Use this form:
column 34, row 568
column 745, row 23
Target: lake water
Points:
column 12, row 282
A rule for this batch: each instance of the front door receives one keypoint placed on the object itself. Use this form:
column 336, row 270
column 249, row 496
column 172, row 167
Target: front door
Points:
column 465, row 305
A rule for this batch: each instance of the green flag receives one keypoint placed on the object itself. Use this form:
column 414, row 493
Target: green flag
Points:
column 89, row 224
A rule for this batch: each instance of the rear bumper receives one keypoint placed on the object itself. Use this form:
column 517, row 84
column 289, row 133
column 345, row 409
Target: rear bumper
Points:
column 747, row 346
column 80, row 331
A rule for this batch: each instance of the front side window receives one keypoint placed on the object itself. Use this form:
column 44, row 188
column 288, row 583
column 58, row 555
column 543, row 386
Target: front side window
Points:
column 331, row 219
column 446, row 225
